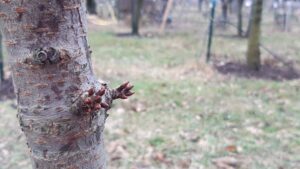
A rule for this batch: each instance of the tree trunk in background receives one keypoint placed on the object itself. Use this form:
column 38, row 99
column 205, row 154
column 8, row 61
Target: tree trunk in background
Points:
column 1, row 61
column 224, row 13
column 240, row 17
column 200, row 2
column 135, row 15
column 58, row 109
column 253, row 53
column 91, row 6
column 250, row 20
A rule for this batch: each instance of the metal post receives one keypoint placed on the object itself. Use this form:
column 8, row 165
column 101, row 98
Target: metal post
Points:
column 1, row 61
column 211, row 28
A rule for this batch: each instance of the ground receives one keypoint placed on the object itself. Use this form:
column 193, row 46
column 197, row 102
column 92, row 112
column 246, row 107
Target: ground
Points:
column 187, row 113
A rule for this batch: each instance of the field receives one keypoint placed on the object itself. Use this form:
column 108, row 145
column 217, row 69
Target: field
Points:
column 187, row 113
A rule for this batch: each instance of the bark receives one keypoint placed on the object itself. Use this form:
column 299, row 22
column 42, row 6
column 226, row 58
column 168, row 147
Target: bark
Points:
column 240, row 17
column 61, row 106
column 91, row 6
column 135, row 15
column 1, row 61
column 253, row 53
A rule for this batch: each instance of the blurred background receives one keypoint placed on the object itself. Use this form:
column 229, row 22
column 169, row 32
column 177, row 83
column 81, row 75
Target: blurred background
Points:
column 212, row 90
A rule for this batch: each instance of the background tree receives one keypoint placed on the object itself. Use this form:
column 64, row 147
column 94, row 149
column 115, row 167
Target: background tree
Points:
column 136, row 15
column 91, row 6
column 240, row 17
column 250, row 20
column 224, row 12
column 200, row 3
column 1, row 61
column 253, row 52
column 61, row 106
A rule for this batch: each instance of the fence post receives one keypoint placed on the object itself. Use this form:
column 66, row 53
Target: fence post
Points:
column 211, row 28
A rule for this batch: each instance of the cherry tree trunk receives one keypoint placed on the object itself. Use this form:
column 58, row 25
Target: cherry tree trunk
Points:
column 61, row 106
column 253, row 51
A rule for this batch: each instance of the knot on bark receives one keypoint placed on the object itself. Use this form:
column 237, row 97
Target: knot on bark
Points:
column 43, row 56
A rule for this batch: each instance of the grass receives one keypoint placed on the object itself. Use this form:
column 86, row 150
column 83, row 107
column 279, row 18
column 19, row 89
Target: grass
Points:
column 185, row 113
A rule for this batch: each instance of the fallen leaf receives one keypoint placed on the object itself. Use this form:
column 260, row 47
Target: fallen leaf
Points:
column 227, row 163
column 231, row 148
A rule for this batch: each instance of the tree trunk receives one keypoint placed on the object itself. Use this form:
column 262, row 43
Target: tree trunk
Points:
column 250, row 20
column 224, row 13
column 200, row 2
column 1, row 61
column 61, row 106
column 135, row 15
column 253, row 53
column 91, row 6
column 240, row 17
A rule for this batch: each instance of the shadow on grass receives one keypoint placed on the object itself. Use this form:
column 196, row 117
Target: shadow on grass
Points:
column 230, row 36
column 267, row 72
column 125, row 35
column 6, row 90
column 143, row 35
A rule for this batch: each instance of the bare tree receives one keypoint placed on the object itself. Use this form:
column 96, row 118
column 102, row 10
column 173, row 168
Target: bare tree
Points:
column 224, row 12
column 240, row 17
column 91, row 6
column 62, row 108
column 136, row 15
column 253, row 53
column 250, row 20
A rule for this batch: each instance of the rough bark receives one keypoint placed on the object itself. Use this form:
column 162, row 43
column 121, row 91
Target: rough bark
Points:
column 1, row 60
column 253, row 53
column 61, row 106
column 91, row 6
column 240, row 17
column 135, row 15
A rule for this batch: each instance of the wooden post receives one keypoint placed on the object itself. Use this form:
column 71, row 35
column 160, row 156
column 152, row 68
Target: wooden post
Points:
column 165, row 17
